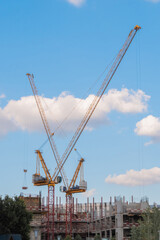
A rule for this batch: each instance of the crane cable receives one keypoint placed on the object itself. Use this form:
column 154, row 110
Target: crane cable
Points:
column 76, row 105
column 83, row 96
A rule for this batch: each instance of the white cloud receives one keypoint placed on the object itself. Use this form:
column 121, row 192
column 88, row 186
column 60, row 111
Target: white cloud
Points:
column 126, row 101
column 89, row 193
column 136, row 178
column 150, row 127
column 23, row 114
column 77, row 3
column 6, row 124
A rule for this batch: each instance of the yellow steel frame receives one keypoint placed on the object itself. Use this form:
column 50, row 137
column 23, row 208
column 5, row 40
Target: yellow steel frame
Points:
column 76, row 173
column 48, row 180
column 70, row 191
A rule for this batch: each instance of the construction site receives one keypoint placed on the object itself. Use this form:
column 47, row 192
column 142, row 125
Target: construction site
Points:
column 53, row 219
column 110, row 220
column 79, row 120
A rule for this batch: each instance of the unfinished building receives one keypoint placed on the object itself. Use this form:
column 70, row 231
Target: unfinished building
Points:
column 112, row 220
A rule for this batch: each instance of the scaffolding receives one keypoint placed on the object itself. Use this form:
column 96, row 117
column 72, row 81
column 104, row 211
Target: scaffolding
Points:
column 108, row 219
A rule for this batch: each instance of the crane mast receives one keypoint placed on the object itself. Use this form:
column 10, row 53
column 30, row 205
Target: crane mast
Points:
column 72, row 189
column 98, row 96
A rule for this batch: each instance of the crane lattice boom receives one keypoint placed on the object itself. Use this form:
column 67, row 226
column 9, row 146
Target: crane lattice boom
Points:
column 98, row 97
column 47, row 129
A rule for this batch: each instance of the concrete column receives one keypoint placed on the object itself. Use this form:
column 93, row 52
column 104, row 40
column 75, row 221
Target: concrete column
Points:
column 119, row 220
column 119, row 234
column 110, row 233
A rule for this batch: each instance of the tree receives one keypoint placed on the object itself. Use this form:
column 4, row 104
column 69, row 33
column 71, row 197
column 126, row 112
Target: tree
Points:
column 68, row 237
column 148, row 227
column 135, row 233
column 78, row 237
column 97, row 237
column 14, row 217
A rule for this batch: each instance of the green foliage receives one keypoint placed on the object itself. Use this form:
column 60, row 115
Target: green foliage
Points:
column 14, row 217
column 148, row 227
column 68, row 237
column 97, row 237
column 78, row 237
column 135, row 233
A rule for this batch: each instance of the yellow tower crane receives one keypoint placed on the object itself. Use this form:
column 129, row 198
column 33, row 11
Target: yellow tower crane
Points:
column 72, row 189
column 50, row 181
column 94, row 104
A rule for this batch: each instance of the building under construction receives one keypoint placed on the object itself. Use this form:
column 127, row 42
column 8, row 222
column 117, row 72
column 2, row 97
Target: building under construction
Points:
column 111, row 220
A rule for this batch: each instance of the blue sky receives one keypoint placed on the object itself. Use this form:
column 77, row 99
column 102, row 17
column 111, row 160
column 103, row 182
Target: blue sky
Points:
column 67, row 45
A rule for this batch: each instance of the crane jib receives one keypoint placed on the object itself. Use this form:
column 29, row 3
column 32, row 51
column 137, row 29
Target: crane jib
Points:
column 48, row 132
column 97, row 98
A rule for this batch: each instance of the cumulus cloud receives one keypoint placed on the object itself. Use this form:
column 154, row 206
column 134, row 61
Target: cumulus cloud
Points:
column 89, row 193
column 23, row 114
column 150, row 127
column 77, row 3
column 6, row 124
column 136, row 178
column 126, row 101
